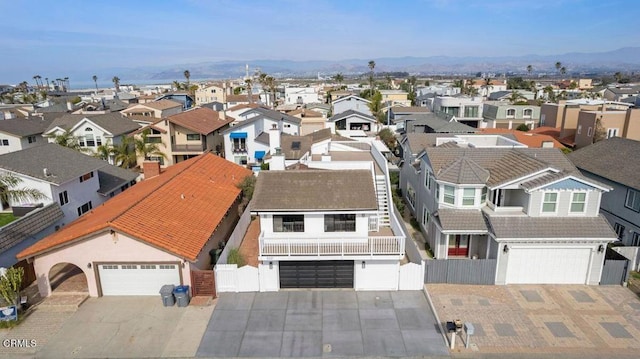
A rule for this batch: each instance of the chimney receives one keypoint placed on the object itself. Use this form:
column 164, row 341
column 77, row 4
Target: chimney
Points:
column 69, row 106
column 222, row 116
column 274, row 138
column 151, row 169
column 277, row 160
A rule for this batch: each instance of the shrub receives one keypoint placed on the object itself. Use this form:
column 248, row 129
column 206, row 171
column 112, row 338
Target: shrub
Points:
column 235, row 257
column 522, row 127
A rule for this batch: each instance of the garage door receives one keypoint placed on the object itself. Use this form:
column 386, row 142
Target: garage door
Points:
column 320, row 274
column 548, row 265
column 136, row 279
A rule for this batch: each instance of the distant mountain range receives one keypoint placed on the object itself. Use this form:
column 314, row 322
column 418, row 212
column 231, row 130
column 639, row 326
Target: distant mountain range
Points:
column 625, row 59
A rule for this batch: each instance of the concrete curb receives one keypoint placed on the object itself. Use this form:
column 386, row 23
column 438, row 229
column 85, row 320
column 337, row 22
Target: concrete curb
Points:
column 435, row 314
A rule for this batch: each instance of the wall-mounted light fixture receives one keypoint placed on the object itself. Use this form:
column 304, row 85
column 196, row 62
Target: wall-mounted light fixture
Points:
column 270, row 265
column 601, row 248
column 505, row 249
column 89, row 265
column 364, row 264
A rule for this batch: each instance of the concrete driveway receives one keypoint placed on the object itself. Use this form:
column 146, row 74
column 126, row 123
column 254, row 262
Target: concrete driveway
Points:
column 128, row 327
column 557, row 320
column 322, row 324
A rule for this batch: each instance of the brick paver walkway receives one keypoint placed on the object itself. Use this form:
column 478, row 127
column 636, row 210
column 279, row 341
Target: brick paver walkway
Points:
column 543, row 319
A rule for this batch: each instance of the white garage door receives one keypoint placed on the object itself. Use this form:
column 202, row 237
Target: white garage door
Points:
column 137, row 279
column 548, row 265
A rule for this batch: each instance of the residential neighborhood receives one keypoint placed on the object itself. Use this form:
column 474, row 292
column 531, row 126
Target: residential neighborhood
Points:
column 269, row 192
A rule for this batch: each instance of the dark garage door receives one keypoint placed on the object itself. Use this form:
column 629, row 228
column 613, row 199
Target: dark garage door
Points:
column 320, row 274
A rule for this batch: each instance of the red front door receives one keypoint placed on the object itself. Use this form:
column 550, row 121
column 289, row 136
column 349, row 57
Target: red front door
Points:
column 459, row 245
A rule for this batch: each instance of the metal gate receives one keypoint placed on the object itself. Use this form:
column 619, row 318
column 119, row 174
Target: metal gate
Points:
column 203, row 283
column 316, row 274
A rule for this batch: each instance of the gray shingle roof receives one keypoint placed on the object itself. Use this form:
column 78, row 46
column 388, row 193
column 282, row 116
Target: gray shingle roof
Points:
column 550, row 227
column 348, row 113
column 263, row 137
column 115, row 123
column 112, row 177
column 614, row 159
column 62, row 163
column 24, row 127
column 431, row 122
column 291, row 152
column 314, row 190
column 272, row 114
column 463, row 171
column 461, row 220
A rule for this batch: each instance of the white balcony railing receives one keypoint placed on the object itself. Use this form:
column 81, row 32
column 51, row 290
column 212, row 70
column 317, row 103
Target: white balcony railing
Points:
column 371, row 246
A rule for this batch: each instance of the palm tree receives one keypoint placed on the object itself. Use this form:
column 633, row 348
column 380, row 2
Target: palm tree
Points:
column 558, row 65
column 270, row 83
column 248, row 82
column 36, row 78
column 95, row 80
column 618, row 76
column 10, row 193
column 339, row 78
column 104, row 151
column 529, row 69
column 550, row 93
column 372, row 65
column 515, row 97
column 124, row 153
column 563, row 70
column 67, row 139
column 486, row 86
column 66, row 84
column 146, row 149
column 187, row 75
column 47, row 79
column 116, row 82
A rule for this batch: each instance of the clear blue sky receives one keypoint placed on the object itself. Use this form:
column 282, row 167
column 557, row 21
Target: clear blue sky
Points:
column 54, row 37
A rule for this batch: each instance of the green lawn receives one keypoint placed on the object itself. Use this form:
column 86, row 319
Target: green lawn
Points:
column 6, row 218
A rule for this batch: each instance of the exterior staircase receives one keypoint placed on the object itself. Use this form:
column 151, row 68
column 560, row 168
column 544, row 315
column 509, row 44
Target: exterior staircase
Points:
column 383, row 201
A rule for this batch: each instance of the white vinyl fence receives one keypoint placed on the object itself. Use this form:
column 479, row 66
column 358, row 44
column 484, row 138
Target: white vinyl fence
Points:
column 237, row 235
column 411, row 276
column 230, row 278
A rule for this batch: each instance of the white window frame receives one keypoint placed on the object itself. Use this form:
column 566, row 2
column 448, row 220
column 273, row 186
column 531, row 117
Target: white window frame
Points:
column 619, row 229
column 525, row 115
column 63, row 197
column 634, row 196
column 583, row 202
column 425, row 218
column 483, row 195
column 612, row 132
column 411, row 196
column 467, row 197
column 427, row 180
column 545, row 201
column 452, row 195
column 589, row 132
column 635, row 239
column 579, row 129
column 514, row 113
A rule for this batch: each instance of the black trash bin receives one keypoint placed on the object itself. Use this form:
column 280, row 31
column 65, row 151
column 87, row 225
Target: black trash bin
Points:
column 181, row 293
column 166, row 292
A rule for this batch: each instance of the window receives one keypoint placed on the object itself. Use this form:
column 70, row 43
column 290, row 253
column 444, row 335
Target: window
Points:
column 454, row 111
column 619, row 229
column 449, row 194
column 239, row 145
column 427, row 180
column 129, row 266
column 543, row 117
column 483, row 195
column 579, row 129
column 89, row 140
column 411, row 195
column 437, row 192
column 527, row 113
column 511, row 113
column 471, row 111
column 549, row 202
column 425, row 217
column 147, row 266
column 5, row 142
column 31, row 139
column 158, row 159
column 589, row 132
column 167, row 266
column 98, row 141
column 88, row 129
column 153, row 140
column 64, row 198
column 81, row 141
column 193, row 137
column 633, row 200
column 635, row 239
column 86, row 177
column 469, row 197
column 339, row 222
column 84, row 208
column 612, row 132
column 578, row 200
column 288, row 223
column 108, row 266
column 123, row 188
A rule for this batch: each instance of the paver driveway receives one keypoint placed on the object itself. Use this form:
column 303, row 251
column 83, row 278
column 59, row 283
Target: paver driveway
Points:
column 590, row 321
column 322, row 324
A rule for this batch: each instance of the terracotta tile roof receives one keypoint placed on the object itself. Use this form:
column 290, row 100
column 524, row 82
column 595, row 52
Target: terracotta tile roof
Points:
column 176, row 211
column 242, row 106
column 530, row 138
column 547, row 130
column 202, row 120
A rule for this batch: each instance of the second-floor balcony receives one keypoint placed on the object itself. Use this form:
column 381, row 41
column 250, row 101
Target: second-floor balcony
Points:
column 304, row 246
column 189, row 148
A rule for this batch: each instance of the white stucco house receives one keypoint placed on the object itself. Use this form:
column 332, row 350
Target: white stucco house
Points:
column 249, row 140
column 352, row 120
column 75, row 181
column 129, row 247
column 19, row 134
column 351, row 102
column 300, row 95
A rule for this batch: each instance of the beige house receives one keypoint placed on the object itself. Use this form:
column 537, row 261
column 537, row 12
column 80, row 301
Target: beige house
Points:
column 208, row 93
column 186, row 135
column 395, row 97
column 597, row 125
column 312, row 121
column 147, row 112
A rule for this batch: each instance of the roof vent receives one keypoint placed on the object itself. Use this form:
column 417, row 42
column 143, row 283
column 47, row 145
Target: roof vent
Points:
column 46, row 172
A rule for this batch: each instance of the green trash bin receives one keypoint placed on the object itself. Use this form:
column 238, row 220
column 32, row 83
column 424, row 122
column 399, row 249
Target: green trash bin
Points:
column 181, row 293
